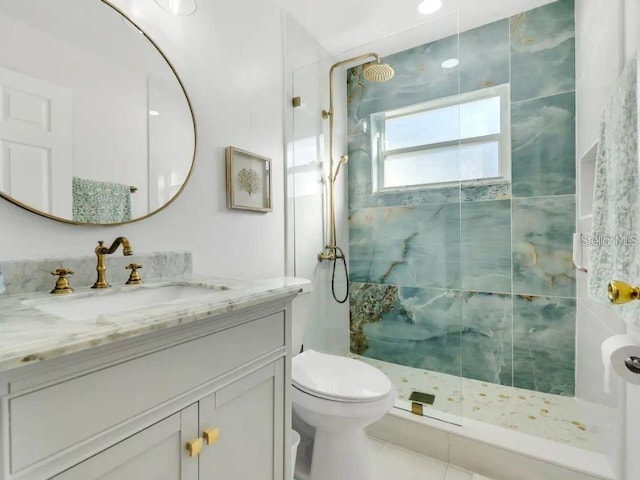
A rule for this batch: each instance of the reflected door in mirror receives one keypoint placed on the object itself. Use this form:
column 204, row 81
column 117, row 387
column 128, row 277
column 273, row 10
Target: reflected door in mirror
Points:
column 35, row 133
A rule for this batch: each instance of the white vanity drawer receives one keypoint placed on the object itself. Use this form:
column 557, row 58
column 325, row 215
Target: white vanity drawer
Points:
column 54, row 418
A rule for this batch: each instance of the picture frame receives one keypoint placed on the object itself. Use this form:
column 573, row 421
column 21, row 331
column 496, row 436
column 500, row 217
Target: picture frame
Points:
column 248, row 180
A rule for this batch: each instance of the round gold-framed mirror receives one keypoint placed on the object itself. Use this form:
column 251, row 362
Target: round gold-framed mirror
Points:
column 96, row 126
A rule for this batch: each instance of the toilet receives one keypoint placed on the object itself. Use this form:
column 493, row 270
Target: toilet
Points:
column 338, row 397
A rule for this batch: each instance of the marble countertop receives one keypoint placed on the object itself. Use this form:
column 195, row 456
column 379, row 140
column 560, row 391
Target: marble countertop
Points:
column 29, row 334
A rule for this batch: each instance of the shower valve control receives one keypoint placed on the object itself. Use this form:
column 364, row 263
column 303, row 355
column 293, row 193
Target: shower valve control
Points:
column 326, row 256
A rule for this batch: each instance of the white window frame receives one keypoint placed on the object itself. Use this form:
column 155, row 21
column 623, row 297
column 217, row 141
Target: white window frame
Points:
column 379, row 154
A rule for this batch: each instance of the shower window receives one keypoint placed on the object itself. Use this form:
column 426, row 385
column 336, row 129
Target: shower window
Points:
column 460, row 138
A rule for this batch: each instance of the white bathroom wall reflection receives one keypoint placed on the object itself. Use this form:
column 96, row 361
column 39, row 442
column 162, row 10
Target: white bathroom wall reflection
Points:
column 87, row 97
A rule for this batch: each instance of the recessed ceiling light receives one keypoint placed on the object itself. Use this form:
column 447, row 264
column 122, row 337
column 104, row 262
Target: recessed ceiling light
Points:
column 428, row 7
column 154, row 113
column 178, row 7
column 450, row 63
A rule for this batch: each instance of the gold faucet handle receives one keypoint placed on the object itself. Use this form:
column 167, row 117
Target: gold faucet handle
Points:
column 62, row 284
column 62, row 272
column 134, row 278
column 621, row 292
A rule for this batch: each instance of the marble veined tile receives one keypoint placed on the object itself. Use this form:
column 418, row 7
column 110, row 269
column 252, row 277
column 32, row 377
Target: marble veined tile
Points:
column 543, row 51
column 484, row 56
column 486, row 337
column 368, row 303
column 407, row 246
column 417, row 327
column 421, row 328
column 26, row 276
column 479, row 193
column 543, row 134
column 419, row 77
column 356, row 89
column 486, row 246
column 542, row 246
column 544, row 344
column 420, row 196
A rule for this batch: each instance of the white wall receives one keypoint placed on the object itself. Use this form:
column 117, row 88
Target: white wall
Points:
column 633, row 414
column 319, row 322
column 632, row 32
column 231, row 65
column 599, row 61
column 606, row 34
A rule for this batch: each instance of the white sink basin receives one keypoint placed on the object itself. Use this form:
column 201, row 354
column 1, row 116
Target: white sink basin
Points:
column 87, row 307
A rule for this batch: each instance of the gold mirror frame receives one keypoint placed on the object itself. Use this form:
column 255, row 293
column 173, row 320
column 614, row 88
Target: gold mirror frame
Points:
column 193, row 159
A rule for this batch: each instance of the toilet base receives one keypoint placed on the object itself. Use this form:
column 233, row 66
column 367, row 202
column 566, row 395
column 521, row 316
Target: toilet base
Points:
column 340, row 457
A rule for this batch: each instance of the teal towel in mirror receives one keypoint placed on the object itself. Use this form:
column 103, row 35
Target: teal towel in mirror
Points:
column 100, row 202
column 616, row 201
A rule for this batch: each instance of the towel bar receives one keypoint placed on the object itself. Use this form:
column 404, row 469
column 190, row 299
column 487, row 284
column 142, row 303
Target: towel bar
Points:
column 621, row 292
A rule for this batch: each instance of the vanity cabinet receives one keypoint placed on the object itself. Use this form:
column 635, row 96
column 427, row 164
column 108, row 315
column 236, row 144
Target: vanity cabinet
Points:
column 238, row 436
column 246, row 422
column 155, row 453
column 132, row 410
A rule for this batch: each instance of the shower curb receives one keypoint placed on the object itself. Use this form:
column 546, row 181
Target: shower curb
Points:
column 491, row 451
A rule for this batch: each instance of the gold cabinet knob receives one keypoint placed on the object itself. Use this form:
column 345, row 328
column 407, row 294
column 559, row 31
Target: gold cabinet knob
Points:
column 621, row 292
column 211, row 435
column 194, row 447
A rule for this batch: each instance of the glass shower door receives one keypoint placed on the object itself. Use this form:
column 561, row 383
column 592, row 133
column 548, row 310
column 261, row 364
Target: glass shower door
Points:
column 402, row 240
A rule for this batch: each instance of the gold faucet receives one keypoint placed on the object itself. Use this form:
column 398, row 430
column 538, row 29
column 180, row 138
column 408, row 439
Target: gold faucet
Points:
column 101, row 251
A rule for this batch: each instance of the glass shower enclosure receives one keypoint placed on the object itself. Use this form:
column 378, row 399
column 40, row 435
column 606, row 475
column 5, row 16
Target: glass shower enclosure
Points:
column 456, row 210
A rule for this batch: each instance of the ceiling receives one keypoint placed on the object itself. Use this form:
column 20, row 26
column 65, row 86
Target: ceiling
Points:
column 90, row 26
column 346, row 25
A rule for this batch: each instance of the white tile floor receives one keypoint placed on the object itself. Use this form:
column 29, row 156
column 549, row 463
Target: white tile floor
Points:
column 390, row 461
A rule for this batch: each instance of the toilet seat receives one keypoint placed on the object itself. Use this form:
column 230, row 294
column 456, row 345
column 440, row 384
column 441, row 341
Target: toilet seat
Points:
column 337, row 378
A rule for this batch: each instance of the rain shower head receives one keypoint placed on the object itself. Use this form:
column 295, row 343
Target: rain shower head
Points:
column 378, row 72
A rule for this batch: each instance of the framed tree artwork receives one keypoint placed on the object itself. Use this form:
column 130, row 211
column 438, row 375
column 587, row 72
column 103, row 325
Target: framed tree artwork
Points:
column 248, row 180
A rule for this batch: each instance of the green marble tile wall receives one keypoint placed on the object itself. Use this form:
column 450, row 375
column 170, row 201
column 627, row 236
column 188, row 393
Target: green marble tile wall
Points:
column 474, row 279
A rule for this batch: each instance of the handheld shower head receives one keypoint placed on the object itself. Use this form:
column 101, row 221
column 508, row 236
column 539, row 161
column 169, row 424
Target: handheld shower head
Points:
column 378, row 72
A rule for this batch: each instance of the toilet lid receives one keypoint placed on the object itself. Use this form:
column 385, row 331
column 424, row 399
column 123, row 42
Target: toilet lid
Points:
column 338, row 378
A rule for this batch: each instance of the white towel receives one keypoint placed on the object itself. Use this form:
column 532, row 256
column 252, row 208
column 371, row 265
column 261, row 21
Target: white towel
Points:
column 616, row 200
